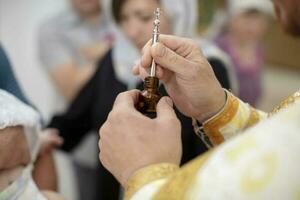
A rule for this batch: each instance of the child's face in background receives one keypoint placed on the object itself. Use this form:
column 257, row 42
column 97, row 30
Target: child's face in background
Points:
column 249, row 27
column 136, row 21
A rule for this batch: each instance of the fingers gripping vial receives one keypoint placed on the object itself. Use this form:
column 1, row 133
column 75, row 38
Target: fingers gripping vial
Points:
column 150, row 96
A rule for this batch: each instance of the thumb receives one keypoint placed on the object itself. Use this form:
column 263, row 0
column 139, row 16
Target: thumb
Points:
column 165, row 109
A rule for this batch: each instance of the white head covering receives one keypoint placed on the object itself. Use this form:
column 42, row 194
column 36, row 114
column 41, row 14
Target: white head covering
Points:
column 13, row 112
column 183, row 17
column 236, row 7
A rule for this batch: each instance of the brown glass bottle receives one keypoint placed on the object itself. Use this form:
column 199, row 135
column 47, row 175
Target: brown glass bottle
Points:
column 149, row 97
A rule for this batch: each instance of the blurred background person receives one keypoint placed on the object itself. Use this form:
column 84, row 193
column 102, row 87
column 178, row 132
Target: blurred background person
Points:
column 70, row 45
column 245, row 24
column 72, row 42
column 133, row 29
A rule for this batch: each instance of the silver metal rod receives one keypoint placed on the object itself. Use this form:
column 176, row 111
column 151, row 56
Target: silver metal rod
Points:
column 155, row 36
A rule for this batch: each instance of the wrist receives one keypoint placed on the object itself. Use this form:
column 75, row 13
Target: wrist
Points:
column 147, row 175
column 216, row 104
column 210, row 130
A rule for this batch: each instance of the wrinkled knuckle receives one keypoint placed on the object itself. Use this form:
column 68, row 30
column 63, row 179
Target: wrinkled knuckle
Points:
column 123, row 110
column 173, row 59
column 120, row 95
column 119, row 114
column 113, row 115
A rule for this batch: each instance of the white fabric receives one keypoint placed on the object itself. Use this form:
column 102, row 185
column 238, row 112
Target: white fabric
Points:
column 124, row 56
column 23, row 188
column 31, row 192
column 149, row 190
column 262, row 163
column 13, row 112
column 239, row 6
column 234, row 8
column 183, row 15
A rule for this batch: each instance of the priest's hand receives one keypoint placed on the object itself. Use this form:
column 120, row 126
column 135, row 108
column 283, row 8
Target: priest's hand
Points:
column 186, row 74
column 130, row 141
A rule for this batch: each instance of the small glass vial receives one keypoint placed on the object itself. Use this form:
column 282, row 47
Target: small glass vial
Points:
column 150, row 96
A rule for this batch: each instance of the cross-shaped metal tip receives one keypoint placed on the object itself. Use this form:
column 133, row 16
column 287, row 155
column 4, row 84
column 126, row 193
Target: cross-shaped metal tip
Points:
column 157, row 13
column 155, row 35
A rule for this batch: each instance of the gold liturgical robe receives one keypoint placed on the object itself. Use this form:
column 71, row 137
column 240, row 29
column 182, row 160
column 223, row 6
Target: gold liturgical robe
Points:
column 259, row 160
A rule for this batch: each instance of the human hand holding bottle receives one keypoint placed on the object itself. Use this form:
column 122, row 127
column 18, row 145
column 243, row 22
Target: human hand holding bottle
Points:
column 130, row 141
column 186, row 74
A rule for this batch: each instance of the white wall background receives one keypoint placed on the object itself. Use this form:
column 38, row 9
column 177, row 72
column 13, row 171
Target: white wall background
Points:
column 19, row 20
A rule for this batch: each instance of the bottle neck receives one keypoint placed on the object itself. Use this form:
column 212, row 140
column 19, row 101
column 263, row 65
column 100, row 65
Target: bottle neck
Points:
column 151, row 83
